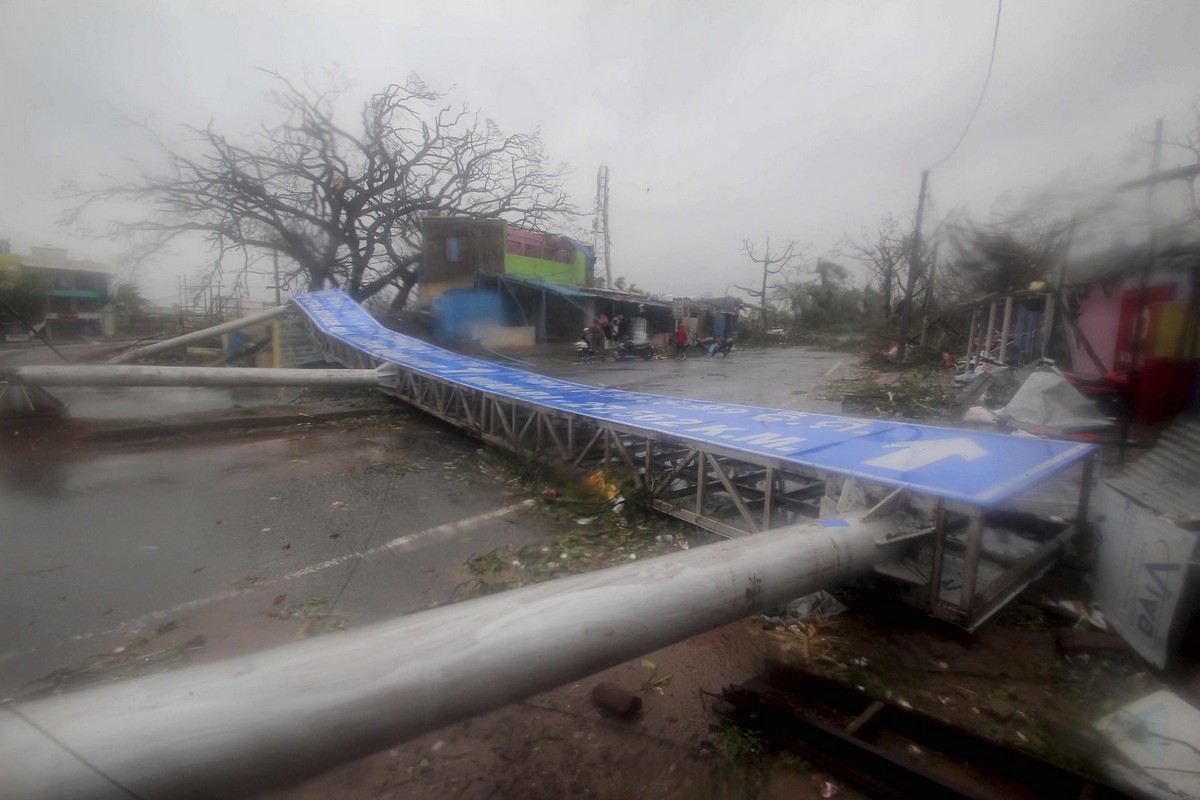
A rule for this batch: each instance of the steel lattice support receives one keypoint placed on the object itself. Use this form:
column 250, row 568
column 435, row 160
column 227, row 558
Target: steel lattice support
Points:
column 725, row 490
column 721, row 490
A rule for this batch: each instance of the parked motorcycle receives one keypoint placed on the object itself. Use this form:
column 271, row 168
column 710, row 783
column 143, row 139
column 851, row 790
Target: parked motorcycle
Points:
column 631, row 349
column 585, row 348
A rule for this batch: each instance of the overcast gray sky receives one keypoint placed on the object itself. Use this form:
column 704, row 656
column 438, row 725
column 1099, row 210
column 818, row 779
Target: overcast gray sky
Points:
column 719, row 121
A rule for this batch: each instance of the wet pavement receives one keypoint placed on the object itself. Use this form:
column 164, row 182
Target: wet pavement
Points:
column 102, row 543
column 793, row 378
column 95, row 402
column 102, row 546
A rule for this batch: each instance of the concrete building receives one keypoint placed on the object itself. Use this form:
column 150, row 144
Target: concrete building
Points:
column 78, row 293
column 487, row 280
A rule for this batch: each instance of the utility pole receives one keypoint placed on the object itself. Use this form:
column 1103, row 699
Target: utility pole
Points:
column 914, row 266
column 601, row 237
column 1142, row 321
column 275, row 262
column 928, row 295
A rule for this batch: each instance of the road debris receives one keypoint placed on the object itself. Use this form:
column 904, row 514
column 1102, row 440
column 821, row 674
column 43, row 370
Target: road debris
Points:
column 1158, row 738
column 616, row 701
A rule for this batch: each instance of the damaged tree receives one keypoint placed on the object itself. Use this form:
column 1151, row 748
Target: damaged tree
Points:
column 826, row 303
column 1004, row 257
column 885, row 254
column 345, row 206
column 771, row 265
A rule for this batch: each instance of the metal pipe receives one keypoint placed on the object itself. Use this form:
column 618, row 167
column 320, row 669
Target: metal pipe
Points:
column 121, row 375
column 1141, row 323
column 1047, row 324
column 1082, row 520
column 1005, row 327
column 198, row 336
column 939, row 554
column 971, row 339
column 1156, row 177
column 271, row 718
column 991, row 330
column 971, row 558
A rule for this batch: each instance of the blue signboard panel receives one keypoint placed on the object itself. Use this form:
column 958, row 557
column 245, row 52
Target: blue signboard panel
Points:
column 975, row 468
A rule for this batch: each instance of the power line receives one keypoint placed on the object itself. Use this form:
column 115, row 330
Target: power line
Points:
column 366, row 546
column 122, row 787
column 983, row 91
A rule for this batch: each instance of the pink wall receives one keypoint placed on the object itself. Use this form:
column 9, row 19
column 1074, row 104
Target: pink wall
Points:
column 517, row 236
column 527, row 243
column 1108, row 318
column 1099, row 314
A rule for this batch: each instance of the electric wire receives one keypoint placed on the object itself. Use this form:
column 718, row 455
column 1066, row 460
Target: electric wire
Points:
column 366, row 546
column 983, row 91
column 77, row 756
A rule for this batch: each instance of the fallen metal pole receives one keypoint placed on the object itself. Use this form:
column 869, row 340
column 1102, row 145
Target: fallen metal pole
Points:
column 120, row 375
column 198, row 336
column 229, row 728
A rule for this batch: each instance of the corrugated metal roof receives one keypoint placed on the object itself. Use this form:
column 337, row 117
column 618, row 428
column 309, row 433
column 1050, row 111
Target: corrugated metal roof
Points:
column 1167, row 479
column 585, row 291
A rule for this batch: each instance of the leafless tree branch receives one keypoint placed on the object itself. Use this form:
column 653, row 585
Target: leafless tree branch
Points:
column 885, row 253
column 771, row 265
column 344, row 206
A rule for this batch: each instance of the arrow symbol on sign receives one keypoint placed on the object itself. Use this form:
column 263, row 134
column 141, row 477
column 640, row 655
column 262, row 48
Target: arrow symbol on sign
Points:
column 922, row 454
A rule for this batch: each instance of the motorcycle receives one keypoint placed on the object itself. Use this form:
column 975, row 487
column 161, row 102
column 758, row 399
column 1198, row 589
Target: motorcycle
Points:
column 711, row 345
column 631, row 349
column 584, row 349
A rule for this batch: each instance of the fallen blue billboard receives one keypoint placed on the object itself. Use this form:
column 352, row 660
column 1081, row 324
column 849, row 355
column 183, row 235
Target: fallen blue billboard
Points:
column 979, row 469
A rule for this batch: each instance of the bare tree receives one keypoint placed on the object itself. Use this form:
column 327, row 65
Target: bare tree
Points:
column 345, row 205
column 1191, row 143
column 771, row 265
column 885, row 252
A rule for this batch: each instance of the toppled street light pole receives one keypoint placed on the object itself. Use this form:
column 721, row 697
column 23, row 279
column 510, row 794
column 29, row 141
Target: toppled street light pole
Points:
column 271, row 718
column 121, row 375
column 199, row 336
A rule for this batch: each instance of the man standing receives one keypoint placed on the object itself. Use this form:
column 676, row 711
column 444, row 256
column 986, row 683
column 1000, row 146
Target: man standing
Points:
column 681, row 337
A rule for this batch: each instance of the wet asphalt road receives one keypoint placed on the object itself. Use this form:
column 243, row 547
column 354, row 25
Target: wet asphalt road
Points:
column 790, row 378
column 100, row 544
column 101, row 547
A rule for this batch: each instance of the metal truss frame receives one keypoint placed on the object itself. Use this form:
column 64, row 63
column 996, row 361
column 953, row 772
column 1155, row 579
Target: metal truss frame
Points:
column 725, row 490
column 720, row 489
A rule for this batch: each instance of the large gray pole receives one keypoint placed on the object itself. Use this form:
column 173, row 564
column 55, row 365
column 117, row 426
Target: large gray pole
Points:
column 1004, row 328
column 914, row 269
column 1141, row 333
column 124, row 375
column 198, row 336
column 275, row 269
column 991, row 331
column 229, row 728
